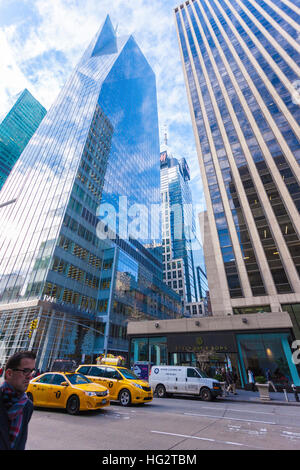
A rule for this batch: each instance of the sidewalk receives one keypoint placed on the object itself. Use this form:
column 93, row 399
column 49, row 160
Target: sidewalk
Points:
column 246, row 396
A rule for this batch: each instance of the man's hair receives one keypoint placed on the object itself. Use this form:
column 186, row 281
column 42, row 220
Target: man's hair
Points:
column 14, row 360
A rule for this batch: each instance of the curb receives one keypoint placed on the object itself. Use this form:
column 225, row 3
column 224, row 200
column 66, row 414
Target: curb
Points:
column 261, row 402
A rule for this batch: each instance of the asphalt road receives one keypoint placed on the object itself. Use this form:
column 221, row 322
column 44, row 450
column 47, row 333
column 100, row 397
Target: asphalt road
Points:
column 169, row 424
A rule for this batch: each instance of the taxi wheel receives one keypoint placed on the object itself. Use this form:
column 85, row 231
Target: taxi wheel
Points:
column 124, row 397
column 73, row 405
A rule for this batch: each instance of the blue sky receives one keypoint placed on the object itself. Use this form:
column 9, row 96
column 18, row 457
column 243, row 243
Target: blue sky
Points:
column 42, row 40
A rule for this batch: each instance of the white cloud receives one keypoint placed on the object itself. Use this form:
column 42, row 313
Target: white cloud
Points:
column 12, row 79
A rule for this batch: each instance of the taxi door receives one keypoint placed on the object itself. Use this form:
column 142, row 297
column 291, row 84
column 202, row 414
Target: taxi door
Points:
column 57, row 393
column 113, row 381
column 40, row 389
column 95, row 374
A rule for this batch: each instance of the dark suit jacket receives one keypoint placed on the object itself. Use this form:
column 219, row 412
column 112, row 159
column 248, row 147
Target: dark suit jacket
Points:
column 4, row 427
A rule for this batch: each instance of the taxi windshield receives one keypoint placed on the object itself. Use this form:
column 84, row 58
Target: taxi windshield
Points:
column 128, row 374
column 77, row 379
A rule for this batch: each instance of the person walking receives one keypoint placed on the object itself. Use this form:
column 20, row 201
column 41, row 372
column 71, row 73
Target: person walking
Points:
column 269, row 380
column 224, row 380
column 230, row 382
column 15, row 407
column 235, row 379
column 251, row 379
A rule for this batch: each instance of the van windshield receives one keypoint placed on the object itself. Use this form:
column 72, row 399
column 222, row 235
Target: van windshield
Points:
column 202, row 373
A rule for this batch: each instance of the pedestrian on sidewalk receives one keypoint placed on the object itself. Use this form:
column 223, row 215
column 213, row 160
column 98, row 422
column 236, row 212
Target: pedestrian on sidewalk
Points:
column 269, row 380
column 15, row 407
column 235, row 379
column 230, row 382
column 251, row 380
column 224, row 380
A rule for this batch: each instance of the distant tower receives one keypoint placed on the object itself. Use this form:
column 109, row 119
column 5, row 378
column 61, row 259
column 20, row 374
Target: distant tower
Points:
column 178, row 225
column 16, row 129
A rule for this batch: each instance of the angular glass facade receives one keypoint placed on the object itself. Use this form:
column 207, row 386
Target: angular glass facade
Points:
column 80, row 151
column 98, row 143
column 16, row 130
column 241, row 63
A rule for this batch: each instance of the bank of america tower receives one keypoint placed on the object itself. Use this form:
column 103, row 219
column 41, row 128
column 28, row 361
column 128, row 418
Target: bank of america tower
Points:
column 98, row 143
column 241, row 61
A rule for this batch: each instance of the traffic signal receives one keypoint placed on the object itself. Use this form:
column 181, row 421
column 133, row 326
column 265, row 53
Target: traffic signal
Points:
column 33, row 326
column 34, row 323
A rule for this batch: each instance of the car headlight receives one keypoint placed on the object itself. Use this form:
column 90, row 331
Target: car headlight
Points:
column 90, row 394
column 138, row 386
column 216, row 385
column 102, row 394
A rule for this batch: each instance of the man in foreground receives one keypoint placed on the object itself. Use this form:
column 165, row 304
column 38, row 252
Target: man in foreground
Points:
column 15, row 407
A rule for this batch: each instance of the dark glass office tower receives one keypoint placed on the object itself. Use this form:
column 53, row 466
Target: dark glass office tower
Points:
column 98, row 143
column 16, row 129
column 241, row 63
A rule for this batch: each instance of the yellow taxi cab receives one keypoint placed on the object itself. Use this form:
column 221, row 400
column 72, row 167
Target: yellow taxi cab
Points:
column 123, row 385
column 68, row 390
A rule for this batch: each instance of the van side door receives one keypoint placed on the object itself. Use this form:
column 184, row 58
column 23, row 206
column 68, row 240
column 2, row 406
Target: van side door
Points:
column 171, row 380
column 192, row 381
column 179, row 381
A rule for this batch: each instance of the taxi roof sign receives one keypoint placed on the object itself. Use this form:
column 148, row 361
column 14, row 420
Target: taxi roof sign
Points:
column 110, row 360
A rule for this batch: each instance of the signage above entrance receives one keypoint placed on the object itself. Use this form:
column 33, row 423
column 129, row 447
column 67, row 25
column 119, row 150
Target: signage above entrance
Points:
column 204, row 342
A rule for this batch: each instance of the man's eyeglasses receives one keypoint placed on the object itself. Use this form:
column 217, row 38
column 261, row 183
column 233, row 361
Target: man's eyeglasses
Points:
column 26, row 372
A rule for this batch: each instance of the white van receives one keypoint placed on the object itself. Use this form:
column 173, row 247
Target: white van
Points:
column 168, row 380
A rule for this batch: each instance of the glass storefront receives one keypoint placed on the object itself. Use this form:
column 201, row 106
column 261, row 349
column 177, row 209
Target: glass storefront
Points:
column 153, row 350
column 259, row 352
column 213, row 352
column 209, row 352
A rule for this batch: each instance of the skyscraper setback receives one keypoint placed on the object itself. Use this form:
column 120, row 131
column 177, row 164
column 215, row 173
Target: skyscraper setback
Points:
column 241, row 62
column 97, row 143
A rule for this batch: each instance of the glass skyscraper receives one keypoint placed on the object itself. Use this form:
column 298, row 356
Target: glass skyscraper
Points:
column 97, row 144
column 16, row 129
column 178, row 226
column 241, row 61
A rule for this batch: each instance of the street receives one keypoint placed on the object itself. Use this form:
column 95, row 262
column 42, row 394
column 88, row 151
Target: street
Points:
column 169, row 424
